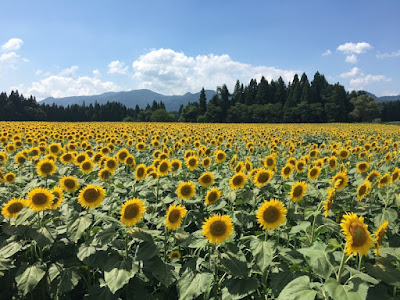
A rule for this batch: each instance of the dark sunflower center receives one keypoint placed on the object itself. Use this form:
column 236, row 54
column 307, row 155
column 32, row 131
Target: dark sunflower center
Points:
column 363, row 167
column 300, row 166
column 91, row 195
column 54, row 149
column 381, row 235
column 343, row 154
column 206, row 178
column 174, row 216
column 122, row 155
column 362, row 190
column 15, row 208
column 286, row 171
column 212, row 197
column 358, row 233
column 129, row 161
column 271, row 214
column 270, row 162
column 332, row 163
column 131, row 211
column 192, row 162
column 86, row 166
column 263, row 177
column 340, row 181
column 140, row 172
column 237, row 180
column 80, row 159
column 69, row 183
column 174, row 255
column 220, row 156
column 106, row 174
column 372, row 177
column 206, row 162
column 395, row 176
column 67, row 157
column 39, row 198
column 186, row 190
column 298, row 190
column 21, row 160
column 46, row 168
column 218, row 228
column 56, row 197
column 384, row 180
column 163, row 167
column 110, row 164
column 140, row 146
column 313, row 172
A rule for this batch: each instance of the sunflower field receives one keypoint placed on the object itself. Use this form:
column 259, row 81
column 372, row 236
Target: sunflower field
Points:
column 199, row 211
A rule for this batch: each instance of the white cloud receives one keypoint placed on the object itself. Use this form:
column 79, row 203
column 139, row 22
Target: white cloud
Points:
column 327, row 52
column 117, row 67
column 12, row 45
column 69, row 71
column 361, row 82
column 351, row 59
column 388, row 55
column 358, row 48
column 96, row 73
column 170, row 72
column 8, row 57
column 352, row 73
column 64, row 86
column 38, row 72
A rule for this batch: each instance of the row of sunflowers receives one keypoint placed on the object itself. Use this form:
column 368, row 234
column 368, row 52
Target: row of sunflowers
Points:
column 190, row 211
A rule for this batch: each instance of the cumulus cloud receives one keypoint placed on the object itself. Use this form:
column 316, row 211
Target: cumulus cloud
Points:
column 117, row 67
column 349, row 48
column 388, row 55
column 327, row 52
column 64, row 86
column 69, row 71
column 352, row 73
column 170, row 72
column 12, row 45
column 96, row 73
column 351, row 59
column 361, row 82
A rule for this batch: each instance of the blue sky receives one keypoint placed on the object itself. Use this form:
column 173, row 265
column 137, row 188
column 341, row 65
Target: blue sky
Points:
column 66, row 48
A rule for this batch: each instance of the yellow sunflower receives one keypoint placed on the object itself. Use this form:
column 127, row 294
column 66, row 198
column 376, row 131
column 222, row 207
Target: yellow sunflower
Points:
column 314, row 172
column 298, row 191
column 192, row 162
column 344, row 153
column 329, row 200
column 186, row 190
column 383, row 180
column 111, row 163
column 175, row 215
column 220, row 156
column 132, row 211
column 358, row 238
column 176, row 164
column 271, row 214
column 263, row 177
column 164, row 167
column 91, row 196
column 58, row 197
column 45, row 167
column 373, row 175
column 140, row 172
column 122, row 154
column 69, row 183
column 86, row 166
column 206, row 162
column 340, row 181
column 270, row 162
column 287, row 170
column 379, row 235
column 20, row 158
column 300, row 166
column 238, row 181
column 105, row 174
column 39, row 199
column 217, row 228
column 9, row 177
column 332, row 163
column 395, row 175
column 362, row 167
column 213, row 196
column 363, row 190
column 67, row 158
column 13, row 207
column 174, row 255
column 206, row 179
column 130, row 161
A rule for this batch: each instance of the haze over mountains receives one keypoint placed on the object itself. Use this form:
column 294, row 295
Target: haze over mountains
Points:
column 143, row 97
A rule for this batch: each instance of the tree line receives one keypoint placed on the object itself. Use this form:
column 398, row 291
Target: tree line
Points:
column 258, row 102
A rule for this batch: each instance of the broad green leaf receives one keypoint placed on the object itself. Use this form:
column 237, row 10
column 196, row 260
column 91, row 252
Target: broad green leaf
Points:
column 389, row 215
column 5, row 265
column 42, row 236
column 235, row 264
column 29, row 278
column 346, row 292
column 302, row 226
column 298, row 289
column 146, row 251
column 96, row 292
column 85, row 251
column 10, row 249
column 262, row 252
column 105, row 235
column 238, row 288
column 69, row 278
column 384, row 270
column 191, row 285
column 161, row 271
column 118, row 273
column 318, row 259
column 358, row 274
column 78, row 227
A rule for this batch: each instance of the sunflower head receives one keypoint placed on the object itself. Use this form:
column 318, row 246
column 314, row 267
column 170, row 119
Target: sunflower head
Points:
column 192, row 162
column 287, row 170
column 362, row 167
column 270, row 162
column 91, row 196
column 358, row 238
column 186, row 190
column 314, row 172
column 140, row 172
column 163, row 167
column 271, row 214
column 300, row 166
column 13, row 207
column 340, row 181
column 175, row 215
column 9, row 177
column 220, row 156
column 176, row 164
column 67, row 158
column 58, row 197
column 213, row 196
column 206, row 179
column 174, row 255
column 105, row 174
column 206, row 162
column 86, row 166
column 383, row 180
column 373, row 175
column 132, row 211
column 45, row 167
column 395, row 175
column 332, row 163
column 69, row 183
column 40, row 199
column 379, row 235
column 363, row 190
column 238, row 181
column 217, row 228
column 298, row 191
column 263, row 177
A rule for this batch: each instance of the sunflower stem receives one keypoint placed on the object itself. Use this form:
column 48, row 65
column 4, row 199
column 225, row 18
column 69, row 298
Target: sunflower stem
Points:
column 342, row 263
column 126, row 244
column 359, row 261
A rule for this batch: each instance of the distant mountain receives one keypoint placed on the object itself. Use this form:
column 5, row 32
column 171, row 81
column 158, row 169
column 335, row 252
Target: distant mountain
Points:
column 383, row 98
column 131, row 98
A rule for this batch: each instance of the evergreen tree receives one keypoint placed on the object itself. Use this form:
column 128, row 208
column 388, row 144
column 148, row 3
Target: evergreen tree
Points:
column 202, row 102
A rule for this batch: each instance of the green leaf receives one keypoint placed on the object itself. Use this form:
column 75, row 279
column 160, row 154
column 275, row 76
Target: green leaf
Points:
column 318, row 259
column 29, row 278
column 96, row 292
column 68, row 280
column 298, row 289
column 384, row 270
column 105, row 235
column 357, row 274
column 346, row 292
column 5, row 265
column 191, row 285
column 302, row 226
column 85, row 251
column 238, row 288
column 10, row 249
column 161, row 271
column 146, row 251
column 235, row 264
column 118, row 273
column 78, row 227
column 42, row 236
column 389, row 215
column 262, row 252
column 144, row 235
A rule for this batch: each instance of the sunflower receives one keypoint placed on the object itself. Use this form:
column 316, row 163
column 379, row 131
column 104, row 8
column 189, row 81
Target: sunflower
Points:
column 186, row 190
column 176, row 164
column 164, row 167
column 239, row 167
column 58, row 197
column 91, row 196
column 122, row 154
column 362, row 167
column 217, row 228
column 20, row 158
column 271, row 214
column 192, row 162
column 383, row 180
column 213, row 196
column 340, row 181
column 39, row 199
column 363, row 190
column 206, row 179
column 298, row 191
column 67, row 158
column 300, row 166
column 220, row 156
column 263, row 177
column 379, row 235
column 86, row 166
column 314, row 172
column 270, row 162
column 248, row 165
column 111, row 163
column 69, row 183
column 105, row 174
column 238, row 181
column 395, row 175
column 175, row 215
column 45, row 167
column 174, row 255
column 344, row 153
column 80, row 158
column 140, row 146
column 55, row 148
column 372, row 175
column 140, row 172
column 132, row 211
column 130, row 161
column 232, row 162
column 287, row 170
column 206, row 162
column 13, row 207
column 9, row 177
column 332, row 163
column 358, row 238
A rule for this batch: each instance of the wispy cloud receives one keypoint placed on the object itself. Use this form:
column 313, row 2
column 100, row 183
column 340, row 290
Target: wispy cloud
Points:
column 388, row 55
column 351, row 59
column 12, row 45
column 352, row 73
column 327, row 52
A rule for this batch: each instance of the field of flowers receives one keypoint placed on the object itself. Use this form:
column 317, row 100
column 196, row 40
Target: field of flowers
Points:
column 199, row 211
